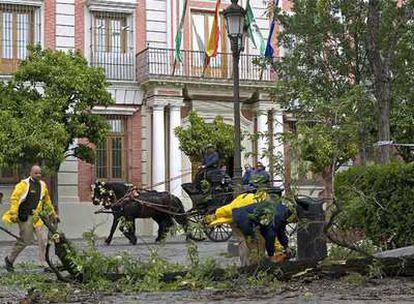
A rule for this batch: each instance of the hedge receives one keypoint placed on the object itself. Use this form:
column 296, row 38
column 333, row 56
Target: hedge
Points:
column 379, row 200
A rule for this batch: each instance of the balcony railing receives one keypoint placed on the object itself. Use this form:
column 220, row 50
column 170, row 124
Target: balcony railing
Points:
column 117, row 66
column 159, row 62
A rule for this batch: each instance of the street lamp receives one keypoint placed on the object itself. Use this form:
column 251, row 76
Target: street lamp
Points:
column 234, row 15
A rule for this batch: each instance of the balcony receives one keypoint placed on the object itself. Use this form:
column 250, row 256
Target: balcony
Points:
column 158, row 63
column 117, row 66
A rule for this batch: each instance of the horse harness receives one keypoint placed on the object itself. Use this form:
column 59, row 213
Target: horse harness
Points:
column 130, row 197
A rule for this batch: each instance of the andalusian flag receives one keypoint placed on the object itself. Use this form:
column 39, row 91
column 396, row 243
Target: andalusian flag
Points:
column 178, row 37
column 254, row 31
column 213, row 39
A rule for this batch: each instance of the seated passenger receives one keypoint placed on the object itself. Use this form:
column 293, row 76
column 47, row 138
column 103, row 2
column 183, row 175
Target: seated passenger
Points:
column 210, row 162
column 260, row 177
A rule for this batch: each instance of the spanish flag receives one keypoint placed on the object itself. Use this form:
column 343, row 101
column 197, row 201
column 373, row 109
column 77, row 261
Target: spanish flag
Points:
column 213, row 39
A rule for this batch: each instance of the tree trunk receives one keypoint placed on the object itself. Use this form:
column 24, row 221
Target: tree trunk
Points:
column 380, row 64
column 327, row 194
column 384, row 132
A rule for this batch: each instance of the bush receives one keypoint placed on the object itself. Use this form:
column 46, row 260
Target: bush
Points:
column 379, row 200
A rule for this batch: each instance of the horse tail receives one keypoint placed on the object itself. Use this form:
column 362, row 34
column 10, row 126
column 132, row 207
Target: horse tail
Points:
column 178, row 207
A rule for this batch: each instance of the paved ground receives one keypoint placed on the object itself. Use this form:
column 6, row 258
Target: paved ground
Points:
column 317, row 291
column 173, row 250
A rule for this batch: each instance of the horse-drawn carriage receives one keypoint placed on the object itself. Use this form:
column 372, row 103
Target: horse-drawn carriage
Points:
column 220, row 191
column 127, row 203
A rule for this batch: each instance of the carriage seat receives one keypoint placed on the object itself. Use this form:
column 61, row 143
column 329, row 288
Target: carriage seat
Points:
column 191, row 189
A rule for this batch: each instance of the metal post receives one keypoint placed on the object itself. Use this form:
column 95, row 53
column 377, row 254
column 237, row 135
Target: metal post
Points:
column 233, row 243
column 237, row 132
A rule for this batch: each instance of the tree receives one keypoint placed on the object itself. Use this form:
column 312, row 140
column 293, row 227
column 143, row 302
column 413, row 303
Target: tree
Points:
column 390, row 48
column 321, row 82
column 342, row 66
column 195, row 138
column 47, row 105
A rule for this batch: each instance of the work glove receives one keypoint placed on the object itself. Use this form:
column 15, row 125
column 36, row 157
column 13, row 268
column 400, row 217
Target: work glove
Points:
column 9, row 218
column 278, row 258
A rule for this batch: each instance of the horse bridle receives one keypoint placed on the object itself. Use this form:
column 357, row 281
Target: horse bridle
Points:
column 112, row 198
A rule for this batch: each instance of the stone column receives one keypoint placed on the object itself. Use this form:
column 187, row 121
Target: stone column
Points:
column 278, row 147
column 175, row 152
column 158, row 147
column 262, row 142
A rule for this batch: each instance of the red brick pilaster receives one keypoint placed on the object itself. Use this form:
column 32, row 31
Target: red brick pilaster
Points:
column 50, row 24
column 80, row 25
column 140, row 26
column 134, row 148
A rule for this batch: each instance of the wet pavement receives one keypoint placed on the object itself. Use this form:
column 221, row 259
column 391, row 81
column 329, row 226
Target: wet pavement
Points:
column 390, row 290
column 173, row 250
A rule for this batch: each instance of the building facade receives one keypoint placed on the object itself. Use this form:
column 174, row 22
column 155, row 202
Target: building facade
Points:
column 133, row 42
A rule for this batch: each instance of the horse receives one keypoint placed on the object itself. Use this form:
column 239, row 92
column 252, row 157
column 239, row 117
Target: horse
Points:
column 125, row 201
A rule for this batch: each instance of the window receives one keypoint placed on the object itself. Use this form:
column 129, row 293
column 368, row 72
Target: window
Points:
column 110, row 33
column 201, row 27
column 112, row 46
column 17, row 29
column 201, row 23
column 110, row 154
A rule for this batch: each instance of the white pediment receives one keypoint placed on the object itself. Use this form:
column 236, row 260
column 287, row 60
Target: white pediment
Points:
column 119, row 6
column 23, row 2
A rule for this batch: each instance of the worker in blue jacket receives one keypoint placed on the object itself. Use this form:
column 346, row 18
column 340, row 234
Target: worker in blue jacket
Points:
column 270, row 217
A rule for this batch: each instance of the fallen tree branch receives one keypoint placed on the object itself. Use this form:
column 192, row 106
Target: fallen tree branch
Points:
column 11, row 234
column 292, row 270
column 54, row 268
column 63, row 250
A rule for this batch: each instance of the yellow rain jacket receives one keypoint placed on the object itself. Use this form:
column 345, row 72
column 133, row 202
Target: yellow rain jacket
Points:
column 223, row 215
column 19, row 195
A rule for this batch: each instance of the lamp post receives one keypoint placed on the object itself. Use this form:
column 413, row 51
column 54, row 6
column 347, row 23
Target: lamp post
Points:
column 234, row 15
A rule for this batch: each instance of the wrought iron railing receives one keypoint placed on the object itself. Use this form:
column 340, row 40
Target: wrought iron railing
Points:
column 117, row 66
column 159, row 62
column 112, row 44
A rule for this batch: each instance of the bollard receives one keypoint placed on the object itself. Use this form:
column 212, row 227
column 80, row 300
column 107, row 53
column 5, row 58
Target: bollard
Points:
column 311, row 240
column 233, row 246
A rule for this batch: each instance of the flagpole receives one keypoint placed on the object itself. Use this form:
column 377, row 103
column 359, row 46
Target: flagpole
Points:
column 174, row 65
column 213, row 40
column 269, row 49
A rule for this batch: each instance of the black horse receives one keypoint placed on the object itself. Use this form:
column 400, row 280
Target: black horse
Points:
column 118, row 197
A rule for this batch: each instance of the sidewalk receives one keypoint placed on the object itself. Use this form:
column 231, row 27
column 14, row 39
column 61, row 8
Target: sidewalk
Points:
column 174, row 250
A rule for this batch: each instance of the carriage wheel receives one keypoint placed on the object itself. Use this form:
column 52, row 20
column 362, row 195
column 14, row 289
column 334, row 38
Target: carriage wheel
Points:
column 218, row 233
column 196, row 228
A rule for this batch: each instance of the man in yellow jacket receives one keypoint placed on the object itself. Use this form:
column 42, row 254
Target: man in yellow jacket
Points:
column 30, row 196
